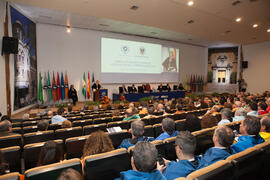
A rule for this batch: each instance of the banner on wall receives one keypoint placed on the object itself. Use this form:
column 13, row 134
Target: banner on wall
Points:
column 25, row 62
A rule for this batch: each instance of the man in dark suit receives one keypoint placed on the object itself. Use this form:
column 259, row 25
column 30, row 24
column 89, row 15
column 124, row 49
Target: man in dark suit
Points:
column 169, row 64
column 96, row 87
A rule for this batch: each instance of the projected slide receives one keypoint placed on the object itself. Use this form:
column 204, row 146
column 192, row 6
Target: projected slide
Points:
column 124, row 61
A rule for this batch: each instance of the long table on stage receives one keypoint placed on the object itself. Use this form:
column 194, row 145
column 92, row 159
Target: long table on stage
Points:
column 155, row 95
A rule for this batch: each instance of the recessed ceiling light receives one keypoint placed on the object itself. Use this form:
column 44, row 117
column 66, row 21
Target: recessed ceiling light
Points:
column 190, row 3
column 238, row 19
column 255, row 25
column 190, row 21
column 68, row 29
column 134, row 8
column 268, row 30
column 236, row 3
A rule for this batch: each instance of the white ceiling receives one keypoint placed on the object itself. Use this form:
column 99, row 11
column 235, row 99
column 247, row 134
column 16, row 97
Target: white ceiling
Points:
column 162, row 19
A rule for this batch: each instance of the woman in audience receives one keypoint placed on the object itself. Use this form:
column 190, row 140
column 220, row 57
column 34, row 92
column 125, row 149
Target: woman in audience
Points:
column 70, row 174
column 192, row 123
column 49, row 154
column 66, row 124
column 97, row 142
column 3, row 166
column 209, row 121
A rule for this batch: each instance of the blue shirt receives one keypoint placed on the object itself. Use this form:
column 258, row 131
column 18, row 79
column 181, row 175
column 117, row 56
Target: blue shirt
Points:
column 58, row 119
column 126, row 142
column 246, row 141
column 223, row 121
column 135, row 175
column 213, row 155
column 165, row 135
column 238, row 118
column 180, row 169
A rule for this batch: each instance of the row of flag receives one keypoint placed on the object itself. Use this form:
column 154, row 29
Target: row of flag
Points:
column 86, row 86
column 195, row 83
column 56, row 91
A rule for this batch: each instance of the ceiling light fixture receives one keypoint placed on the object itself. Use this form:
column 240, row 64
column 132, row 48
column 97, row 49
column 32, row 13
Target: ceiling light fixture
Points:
column 134, row 8
column 255, row 25
column 68, row 29
column 190, row 3
column 190, row 21
column 268, row 30
column 238, row 19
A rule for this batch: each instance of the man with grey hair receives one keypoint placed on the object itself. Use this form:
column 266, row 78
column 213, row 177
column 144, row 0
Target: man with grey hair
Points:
column 226, row 116
column 137, row 131
column 6, row 128
column 185, row 145
column 265, row 128
column 143, row 162
column 223, row 138
column 168, row 128
column 239, row 114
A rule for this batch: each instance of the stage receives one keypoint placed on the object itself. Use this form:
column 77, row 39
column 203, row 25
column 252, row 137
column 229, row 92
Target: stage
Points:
column 155, row 95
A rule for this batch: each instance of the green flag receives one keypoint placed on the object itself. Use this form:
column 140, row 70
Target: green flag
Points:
column 40, row 93
column 84, row 86
column 49, row 87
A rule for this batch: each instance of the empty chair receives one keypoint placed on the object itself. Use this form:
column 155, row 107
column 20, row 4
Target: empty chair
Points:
column 146, row 121
column 158, row 129
column 180, row 116
column 13, row 158
column 29, row 123
column 155, row 120
column 106, row 165
column 10, row 176
column 29, row 129
column 204, row 140
column 17, row 130
column 180, row 125
column 265, row 148
column 17, row 124
column 122, row 124
column 12, row 140
column 68, row 133
column 32, row 151
column 52, row 171
column 221, row 170
column 86, row 122
column 100, row 120
column 117, row 118
column 169, row 148
column 54, row 126
column 92, row 128
column 74, row 147
column 149, row 131
column 38, row 137
column 118, row 137
column 247, row 164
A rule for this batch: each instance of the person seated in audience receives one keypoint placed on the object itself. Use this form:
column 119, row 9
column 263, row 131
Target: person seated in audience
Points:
column 239, row 115
column 26, row 116
column 144, row 108
column 160, row 88
column 143, row 163
column 66, row 124
column 252, row 109
column 179, row 109
column 42, row 125
column 70, row 174
column 168, row 128
column 50, row 153
column 5, row 117
column 97, row 142
column 226, row 116
column 59, row 118
column 185, row 145
column 262, row 106
column 223, row 138
column 192, row 123
column 4, row 167
column 268, row 105
column 49, row 113
column 249, row 129
column 168, row 110
column 237, row 105
column 6, row 128
column 131, row 113
column 213, row 111
column 209, row 121
column 160, row 109
column 265, row 128
column 137, row 131
column 228, row 105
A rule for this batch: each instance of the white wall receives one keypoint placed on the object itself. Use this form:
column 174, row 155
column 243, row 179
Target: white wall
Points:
column 80, row 51
column 257, row 73
column 3, row 100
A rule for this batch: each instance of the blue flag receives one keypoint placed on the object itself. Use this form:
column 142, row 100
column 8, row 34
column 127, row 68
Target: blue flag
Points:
column 62, row 87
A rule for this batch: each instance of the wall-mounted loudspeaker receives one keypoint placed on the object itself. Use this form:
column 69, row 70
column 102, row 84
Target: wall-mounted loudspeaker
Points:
column 10, row 45
column 245, row 64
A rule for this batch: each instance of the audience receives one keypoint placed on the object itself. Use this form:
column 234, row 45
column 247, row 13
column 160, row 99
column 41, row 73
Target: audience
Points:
column 268, row 105
column 239, row 114
column 137, row 131
column 237, row 105
column 6, row 128
column 59, row 118
column 226, row 116
column 97, row 142
column 223, row 138
column 209, row 121
column 265, row 128
column 42, row 125
column 131, row 113
column 70, row 174
column 249, row 129
column 262, row 108
column 143, row 163
column 192, row 123
column 185, row 145
column 50, row 153
column 168, row 128
column 252, row 109
column 66, row 124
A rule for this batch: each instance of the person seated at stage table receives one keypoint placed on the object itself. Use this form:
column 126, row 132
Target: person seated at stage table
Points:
column 180, row 87
column 168, row 87
column 42, row 125
column 137, row 131
column 143, row 163
column 123, row 89
column 168, row 128
column 133, row 89
column 148, row 87
column 160, row 88
column 265, row 128
column 131, row 113
column 249, row 129
column 223, row 138
column 59, row 117
column 185, row 145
